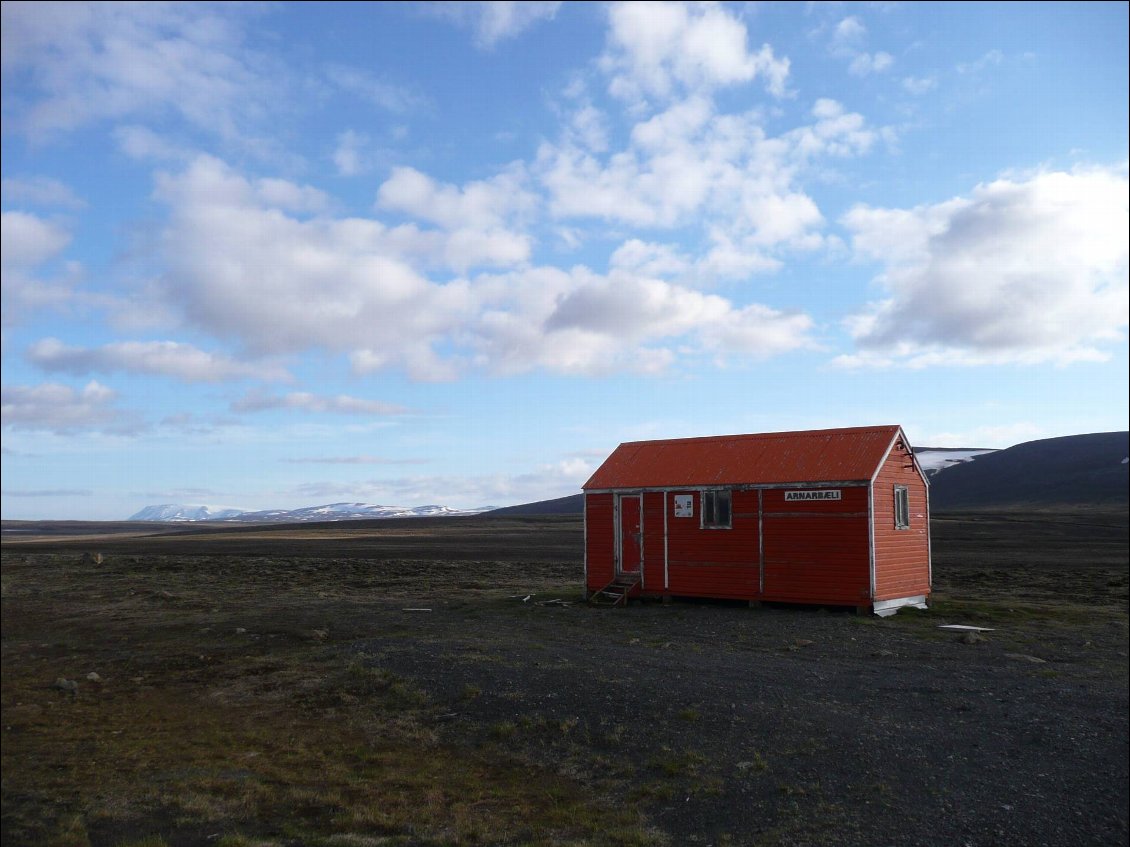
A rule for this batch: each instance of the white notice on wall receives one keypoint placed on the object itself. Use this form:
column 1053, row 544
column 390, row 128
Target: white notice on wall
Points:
column 684, row 505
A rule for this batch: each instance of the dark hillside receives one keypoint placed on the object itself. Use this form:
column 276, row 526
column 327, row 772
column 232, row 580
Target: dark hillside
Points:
column 1076, row 470
column 574, row 504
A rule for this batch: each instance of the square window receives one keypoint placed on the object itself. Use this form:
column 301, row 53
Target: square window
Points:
column 716, row 509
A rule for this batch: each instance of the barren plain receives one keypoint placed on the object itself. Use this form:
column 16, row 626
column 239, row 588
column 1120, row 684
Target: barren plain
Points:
column 441, row 682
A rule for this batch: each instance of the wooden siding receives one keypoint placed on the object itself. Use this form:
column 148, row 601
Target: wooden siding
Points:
column 653, row 542
column 799, row 551
column 600, row 540
column 712, row 562
column 817, row 551
column 902, row 556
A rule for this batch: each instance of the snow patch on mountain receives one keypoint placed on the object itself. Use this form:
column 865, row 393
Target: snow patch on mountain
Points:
column 171, row 512
column 177, row 512
column 936, row 459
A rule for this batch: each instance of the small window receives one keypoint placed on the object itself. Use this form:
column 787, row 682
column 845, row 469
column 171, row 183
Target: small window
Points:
column 902, row 507
column 716, row 509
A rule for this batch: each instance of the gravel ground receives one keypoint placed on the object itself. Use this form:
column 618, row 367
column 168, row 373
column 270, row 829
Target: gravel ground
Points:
column 791, row 726
column 726, row 725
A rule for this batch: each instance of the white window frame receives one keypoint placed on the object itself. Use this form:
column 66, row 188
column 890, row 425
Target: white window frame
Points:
column 902, row 507
column 710, row 497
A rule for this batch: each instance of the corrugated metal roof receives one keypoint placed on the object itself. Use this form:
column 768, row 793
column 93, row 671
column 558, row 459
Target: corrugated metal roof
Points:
column 826, row 455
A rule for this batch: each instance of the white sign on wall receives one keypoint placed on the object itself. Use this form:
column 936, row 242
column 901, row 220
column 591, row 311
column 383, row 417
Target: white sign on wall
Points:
column 684, row 505
column 827, row 494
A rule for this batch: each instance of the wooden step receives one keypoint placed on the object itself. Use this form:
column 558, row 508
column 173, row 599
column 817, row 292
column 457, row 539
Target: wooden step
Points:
column 616, row 591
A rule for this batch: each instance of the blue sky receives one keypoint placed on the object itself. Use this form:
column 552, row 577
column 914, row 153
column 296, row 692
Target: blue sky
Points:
column 277, row 255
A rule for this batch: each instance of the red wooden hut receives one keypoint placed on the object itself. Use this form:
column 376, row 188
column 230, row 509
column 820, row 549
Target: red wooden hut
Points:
column 829, row 517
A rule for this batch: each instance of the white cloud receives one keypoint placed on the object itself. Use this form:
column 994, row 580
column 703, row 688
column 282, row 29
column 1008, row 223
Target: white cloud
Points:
column 689, row 166
column 659, row 260
column 1024, row 270
column 848, row 42
column 339, row 404
column 836, row 132
column 139, row 142
column 919, row 85
column 89, row 62
column 848, row 34
column 492, row 22
column 483, row 204
column 377, row 92
column 589, row 128
column 477, row 216
column 27, row 240
column 28, row 243
column 243, row 269
column 62, row 409
column 349, row 156
column 990, row 59
column 667, row 49
column 864, row 64
column 40, row 191
column 585, row 323
column 667, row 173
column 290, row 197
column 158, row 358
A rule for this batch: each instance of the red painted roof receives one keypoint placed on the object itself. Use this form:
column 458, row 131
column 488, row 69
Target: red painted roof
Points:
column 824, row 455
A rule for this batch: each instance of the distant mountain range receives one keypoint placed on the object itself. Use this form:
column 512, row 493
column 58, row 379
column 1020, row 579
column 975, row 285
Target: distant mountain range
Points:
column 1076, row 470
column 175, row 513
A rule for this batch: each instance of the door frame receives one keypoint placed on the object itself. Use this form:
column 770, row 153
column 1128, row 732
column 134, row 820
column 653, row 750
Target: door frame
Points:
column 618, row 517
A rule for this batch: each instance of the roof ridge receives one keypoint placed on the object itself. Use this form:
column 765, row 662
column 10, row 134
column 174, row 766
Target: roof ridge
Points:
column 808, row 433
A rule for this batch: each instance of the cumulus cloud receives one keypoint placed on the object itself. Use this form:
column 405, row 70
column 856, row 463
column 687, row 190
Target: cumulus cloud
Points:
column 28, row 245
column 139, row 142
column 1025, row 269
column 483, row 205
column 848, row 39
column 870, row 63
column 39, row 191
column 661, row 50
column 244, row 269
column 493, row 22
column 28, row 240
column 690, row 166
column 338, row 404
column 157, row 358
column 988, row 60
column 87, row 62
column 62, row 409
column 919, row 85
column 585, row 323
column 649, row 259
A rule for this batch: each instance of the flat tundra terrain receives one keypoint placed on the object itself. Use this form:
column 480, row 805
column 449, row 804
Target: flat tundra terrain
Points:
column 442, row 682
